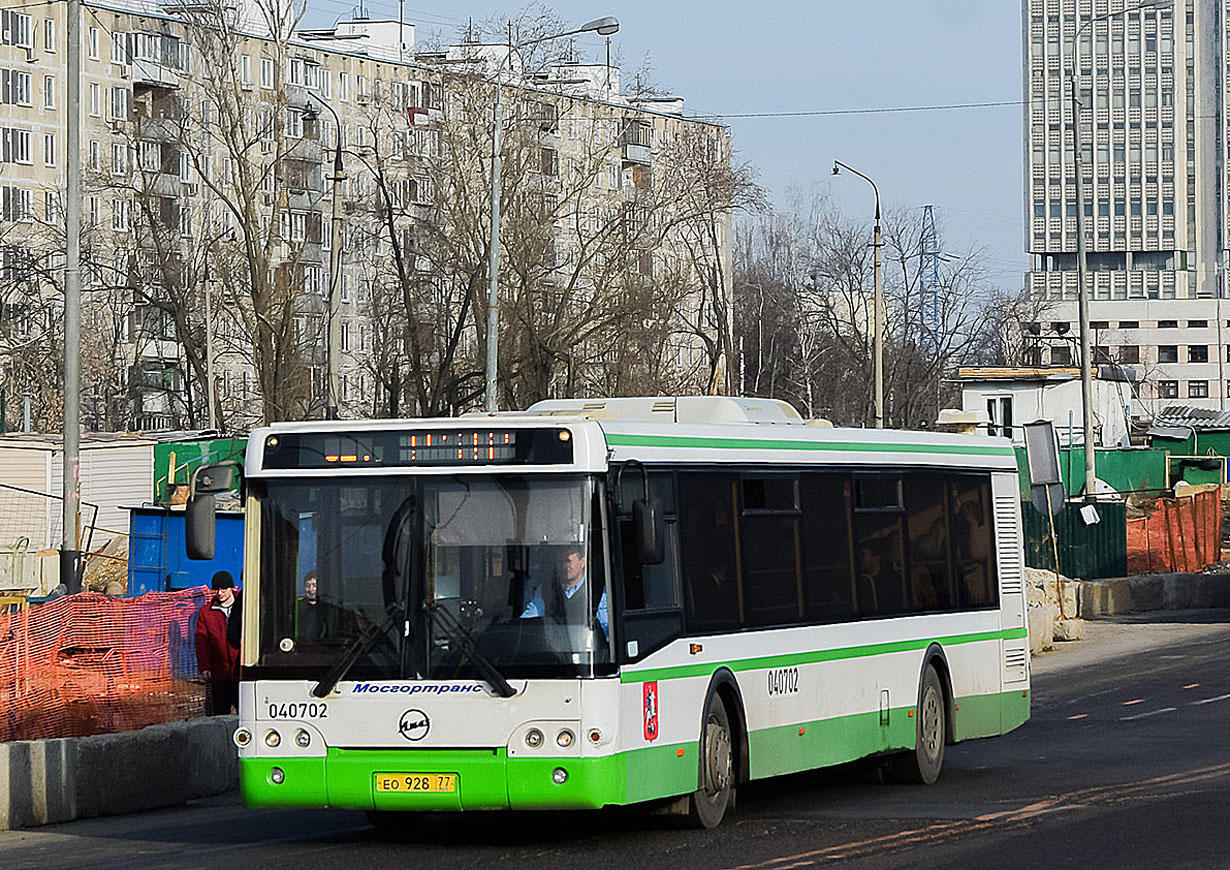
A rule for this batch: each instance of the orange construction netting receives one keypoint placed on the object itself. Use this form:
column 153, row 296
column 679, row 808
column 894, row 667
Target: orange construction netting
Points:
column 1180, row 535
column 92, row 664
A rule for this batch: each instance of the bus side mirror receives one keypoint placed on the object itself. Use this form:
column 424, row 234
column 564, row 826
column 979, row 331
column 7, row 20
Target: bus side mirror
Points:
column 200, row 526
column 650, row 532
column 200, row 522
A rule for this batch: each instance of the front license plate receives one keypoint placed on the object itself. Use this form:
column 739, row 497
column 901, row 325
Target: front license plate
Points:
column 416, row 782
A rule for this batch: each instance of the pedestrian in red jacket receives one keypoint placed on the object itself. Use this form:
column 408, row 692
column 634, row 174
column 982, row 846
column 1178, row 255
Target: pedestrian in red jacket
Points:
column 217, row 646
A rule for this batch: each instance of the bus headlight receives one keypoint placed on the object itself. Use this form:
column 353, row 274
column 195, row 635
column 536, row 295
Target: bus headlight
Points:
column 242, row 737
column 302, row 739
column 277, row 776
column 595, row 736
column 564, row 739
column 272, row 738
column 559, row 776
column 533, row 738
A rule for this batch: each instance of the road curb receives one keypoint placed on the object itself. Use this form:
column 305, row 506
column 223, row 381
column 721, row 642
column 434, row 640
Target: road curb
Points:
column 57, row 780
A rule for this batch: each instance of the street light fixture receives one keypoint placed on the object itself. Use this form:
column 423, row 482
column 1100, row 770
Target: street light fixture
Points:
column 878, row 305
column 604, row 26
column 335, row 261
column 1082, row 292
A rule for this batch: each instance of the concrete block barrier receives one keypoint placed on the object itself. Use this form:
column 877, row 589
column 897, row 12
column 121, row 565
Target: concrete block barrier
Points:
column 48, row 781
column 1149, row 592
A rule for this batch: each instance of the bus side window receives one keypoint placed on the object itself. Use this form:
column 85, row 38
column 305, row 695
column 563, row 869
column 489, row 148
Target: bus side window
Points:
column 827, row 582
column 772, row 580
column 651, row 587
column 708, row 532
column 879, row 552
column 973, row 539
column 931, row 585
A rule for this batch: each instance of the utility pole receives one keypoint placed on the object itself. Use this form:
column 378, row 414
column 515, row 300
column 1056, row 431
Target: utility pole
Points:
column 878, row 300
column 69, row 555
column 210, row 394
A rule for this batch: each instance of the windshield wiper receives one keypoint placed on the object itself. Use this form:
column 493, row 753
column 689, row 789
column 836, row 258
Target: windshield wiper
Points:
column 358, row 647
column 457, row 632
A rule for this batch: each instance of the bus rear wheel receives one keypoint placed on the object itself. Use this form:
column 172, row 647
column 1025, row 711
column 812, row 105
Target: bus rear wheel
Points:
column 708, row 804
column 924, row 763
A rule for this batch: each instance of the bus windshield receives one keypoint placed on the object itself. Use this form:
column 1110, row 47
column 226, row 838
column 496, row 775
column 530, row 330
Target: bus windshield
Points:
column 447, row 570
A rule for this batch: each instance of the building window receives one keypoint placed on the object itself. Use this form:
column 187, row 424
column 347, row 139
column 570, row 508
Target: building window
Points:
column 1168, row 324
column 1129, row 324
column 1197, row 324
column 93, row 159
column 119, row 51
column 15, row 87
column 49, row 149
column 1061, row 355
column 94, row 99
column 1129, row 354
column 1099, row 324
column 1197, row 353
column 1197, row 389
column 1168, row 353
column 14, row 145
column 49, row 36
column 245, row 70
column 93, row 43
column 119, row 104
column 266, row 72
column 1168, row 389
column 49, row 92
column 999, row 416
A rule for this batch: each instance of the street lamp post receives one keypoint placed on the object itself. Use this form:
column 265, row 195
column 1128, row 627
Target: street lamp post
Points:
column 604, row 26
column 878, row 303
column 1082, row 292
column 333, row 351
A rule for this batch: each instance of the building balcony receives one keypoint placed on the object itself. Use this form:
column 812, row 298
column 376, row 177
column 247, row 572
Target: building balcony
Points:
column 151, row 73
column 636, row 153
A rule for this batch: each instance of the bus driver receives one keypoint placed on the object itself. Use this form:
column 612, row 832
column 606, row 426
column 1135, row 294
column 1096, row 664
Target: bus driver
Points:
column 566, row 605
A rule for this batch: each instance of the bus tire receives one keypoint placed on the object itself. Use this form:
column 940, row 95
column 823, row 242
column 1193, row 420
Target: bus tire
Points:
column 394, row 823
column 923, row 765
column 708, row 804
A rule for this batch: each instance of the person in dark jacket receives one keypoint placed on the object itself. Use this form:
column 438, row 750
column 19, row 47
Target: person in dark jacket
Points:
column 217, row 646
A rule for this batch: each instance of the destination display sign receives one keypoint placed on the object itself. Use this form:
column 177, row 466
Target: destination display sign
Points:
column 417, row 447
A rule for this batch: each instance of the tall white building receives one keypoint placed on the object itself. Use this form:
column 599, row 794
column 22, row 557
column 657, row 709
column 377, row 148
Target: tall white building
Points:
column 1153, row 86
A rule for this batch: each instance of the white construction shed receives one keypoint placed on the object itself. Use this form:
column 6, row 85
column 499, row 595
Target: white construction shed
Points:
column 116, row 469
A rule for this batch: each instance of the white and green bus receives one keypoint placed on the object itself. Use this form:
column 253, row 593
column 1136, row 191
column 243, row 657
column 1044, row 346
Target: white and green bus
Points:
column 597, row 603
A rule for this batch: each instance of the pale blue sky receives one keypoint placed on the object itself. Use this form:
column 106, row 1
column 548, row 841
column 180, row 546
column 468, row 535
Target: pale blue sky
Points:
column 739, row 57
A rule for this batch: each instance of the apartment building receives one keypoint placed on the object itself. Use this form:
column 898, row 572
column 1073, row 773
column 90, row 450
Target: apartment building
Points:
column 208, row 163
column 1153, row 127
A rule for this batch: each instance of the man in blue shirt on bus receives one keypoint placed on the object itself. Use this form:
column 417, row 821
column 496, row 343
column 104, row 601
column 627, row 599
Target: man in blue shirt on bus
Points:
column 571, row 576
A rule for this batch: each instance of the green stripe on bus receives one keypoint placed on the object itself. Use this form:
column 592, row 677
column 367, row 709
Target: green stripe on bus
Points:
column 814, row 656
column 619, row 440
column 797, row 746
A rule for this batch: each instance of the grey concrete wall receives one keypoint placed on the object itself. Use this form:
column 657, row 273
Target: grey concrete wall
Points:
column 47, row 781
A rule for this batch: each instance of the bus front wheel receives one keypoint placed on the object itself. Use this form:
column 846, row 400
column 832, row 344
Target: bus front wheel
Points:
column 924, row 763
column 708, row 804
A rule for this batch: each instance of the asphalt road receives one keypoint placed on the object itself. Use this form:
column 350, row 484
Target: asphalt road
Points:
column 1125, row 763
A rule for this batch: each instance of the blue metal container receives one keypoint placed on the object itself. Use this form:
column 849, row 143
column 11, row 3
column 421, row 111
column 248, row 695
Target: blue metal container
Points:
column 157, row 560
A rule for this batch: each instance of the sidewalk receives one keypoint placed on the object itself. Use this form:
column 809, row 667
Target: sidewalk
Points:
column 1118, row 636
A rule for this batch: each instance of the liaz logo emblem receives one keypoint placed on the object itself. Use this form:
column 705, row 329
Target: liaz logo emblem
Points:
column 414, row 725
